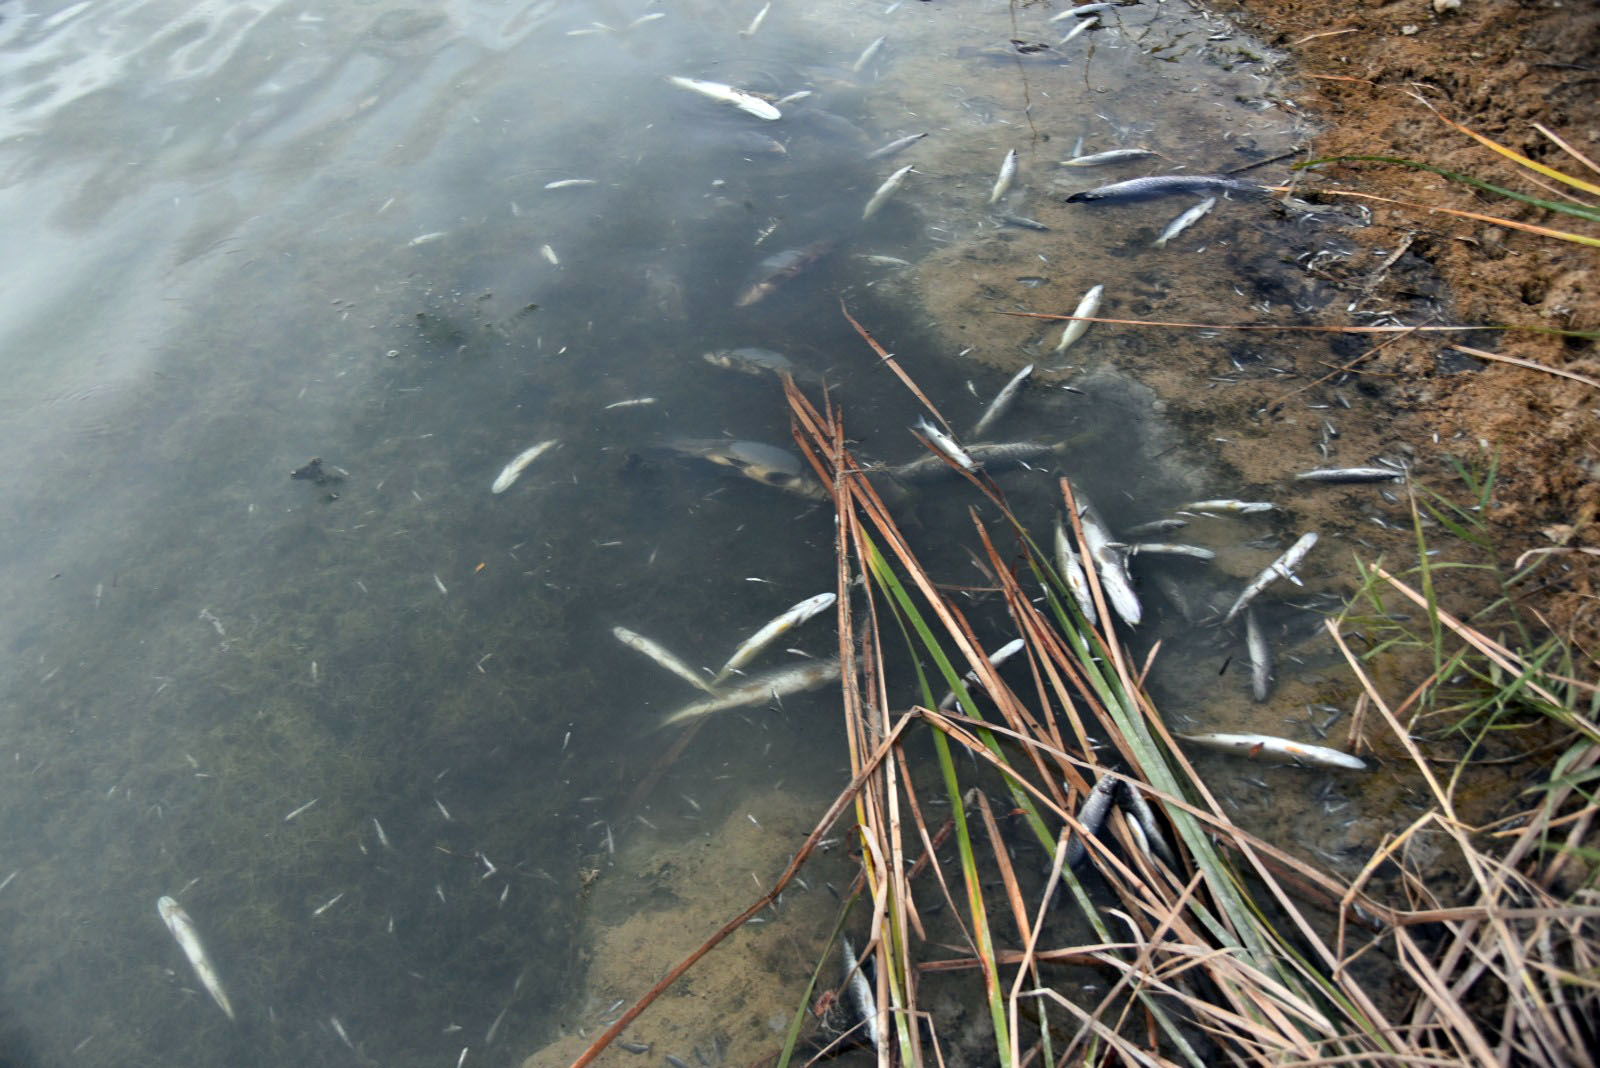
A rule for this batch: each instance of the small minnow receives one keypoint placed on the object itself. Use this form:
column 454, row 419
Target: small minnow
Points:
column 1164, row 548
column 513, row 470
column 636, row 402
column 1110, row 563
column 1228, row 506
column 748, row 103
column 1102, row 159
column 1265, row 744
column 338, row 1029
column 1075, row 328
column 1003, row 400
column 568, row 183
column 1092, row 816
column 898, row 145
column 301, row 809
column 866, row 55
column 1162, row 185
column 860, row 992
column 1008, row 171
column 946, row 444
column 1255, row 643
column 326, row 905
column 442, row 810
column 789, row 619
column 755, row 23
column 383, row 839
column 1351, row 474
column 640, row 644
column 1081, row 9
column 1282, row 567
column 426, row 239
column 1184, row 221
column 1073, row 575
column 885, row 191
column 183, row 929
column 778, row 684
column 550, row 255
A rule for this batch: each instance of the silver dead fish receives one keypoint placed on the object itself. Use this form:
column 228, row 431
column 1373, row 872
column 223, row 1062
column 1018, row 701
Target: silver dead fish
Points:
column 1081, row 9
column 1166, row 548
column 183, row 929
column 1351, row 474
column 932, row 468
column 1228, row 506
column 885, row 191
column 790, row 618
column 748, row 103
column 1104, row 159
column 996, row 658
column 1282, row 567
column 866, row 55
column 1003, row 400
column 1092, row 815
column 1110, row 564
column 946, row 444
column 1081, row 28
column 893, row 147
column 519, row 463
column 757, row 461
column 1076, row 327
column 778, row 684
column 1162, row 185
column 640, row 644
column 860, row 993
column 1132, row 802
column 755, row 23
column 1008, row 171
column 1073, row 575
column 1260, row 653
column 1282, row 748
column 1184, row 221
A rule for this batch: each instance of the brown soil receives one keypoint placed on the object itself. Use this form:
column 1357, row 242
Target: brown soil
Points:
column 1498, row 67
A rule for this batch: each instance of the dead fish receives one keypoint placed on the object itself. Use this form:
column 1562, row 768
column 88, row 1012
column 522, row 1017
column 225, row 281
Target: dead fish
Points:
column 778, row 684
column 1156, row 526
column 1350, row 474
column 755, row 460
column 513, row 470
column 1092, row 815
column 885, row 191
column 1254, row 745
column 860, row 992
column 932, row 468
column 1105, row 159
column 1132, row 802
column 755, row 23
column 1228, row 506
column 1162, row 185
column 780, row 267
column 751, row 361
column 1003, row 400
column 1024, row 223
column 183, row 929
column 1167, row 548
column 1109, row 563
column 996, row 658
column 1008, row 171
column 866, row 55
column 1073, row 575
column 1282, row 567
column 570, row 183
column 1080, row 10
column 1260, row 653
column 790, row 618
column 946, row 444
column 1184, row 221
column 895, row 146
column 640, row 644
column 1081, row 28
column 748, row 103
column 1076, row 327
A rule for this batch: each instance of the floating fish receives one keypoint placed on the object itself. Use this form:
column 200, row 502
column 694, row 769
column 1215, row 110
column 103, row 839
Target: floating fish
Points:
column 1157, row 526
column 1260, row 653
column 1228, row 506
column 1162, row 185
column 1081, row 28
column 1008, row 171
column 1003, row 400
column 183, row 929
column 1110, row 563
column 1080, row 10
column 932, row 468
column 885, row 191
column 860, row 993
column 518, row 464
column 896, row 146
column 792, row 617
column 996, row 658
column 1076, row 327
column 1254, row 745
column 570, row 183
column 1167, row 548
column 946, row 444
column 748, row 103
column 778, row 684
column 1073, row 575
column 755, row 23
column 1104, row 159
column 640, row 644
column 1282, row 567
column 866, row 55
column 1184, row 221
column 1132, row 802
column 1351, row 474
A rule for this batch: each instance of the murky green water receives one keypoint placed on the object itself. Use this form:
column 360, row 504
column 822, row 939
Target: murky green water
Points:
column 243, row 236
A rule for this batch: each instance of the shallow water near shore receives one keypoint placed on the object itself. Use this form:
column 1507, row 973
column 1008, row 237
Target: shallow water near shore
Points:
column 245, row 237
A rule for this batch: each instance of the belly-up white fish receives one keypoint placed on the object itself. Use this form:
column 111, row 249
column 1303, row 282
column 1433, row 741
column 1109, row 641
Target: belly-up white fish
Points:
column 885, row 191
column 946, row 444
column 1111, row 564
column 519, row 463
column 183, row 929
column 1073, row 575
column 1003, row 400
column 778, row 684
column 1184, row 221
column 640, row 644
column 1280, row 748
column 1075, row 328
column 1008, row 171
column 748, row 103
column 792, row 617
column 1282, row 567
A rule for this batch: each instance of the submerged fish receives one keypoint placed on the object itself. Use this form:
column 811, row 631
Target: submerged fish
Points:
column 1081, row 28
column 778, row 684
column 996, row 658
column 1008, row 171
column 1092, row 815
column 513, row 470
column 640, row 644
column 1167, row 548
column 1103, row 159
column 183, row 929
column 1081, row 9
column 1260, row 653
column 790, row 618
column 860, row 992
column 1076, row 327
column 755, row 460
column 1350, row 474
column 1162, row 185
column 932, row 468
column 748, row 103
column 867, row 53
column 1265, row 744
column 780, row 267
column 1184, row 221
column 751, row 361
column 1003, row 400
column 1073, row 575
column 1228, row 506
column 1282, row 567
column 946, row 444
column 1132, row 802
column 755, row 23
column 893, row 147
column 885, row 191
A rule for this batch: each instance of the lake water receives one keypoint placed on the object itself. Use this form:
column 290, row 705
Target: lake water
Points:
column 243, row 236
